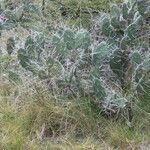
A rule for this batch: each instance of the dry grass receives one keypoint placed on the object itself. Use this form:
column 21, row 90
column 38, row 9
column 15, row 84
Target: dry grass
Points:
column 33, row 119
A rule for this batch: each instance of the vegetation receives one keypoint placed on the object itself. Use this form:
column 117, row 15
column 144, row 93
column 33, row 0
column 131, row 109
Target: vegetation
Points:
column 71, row 86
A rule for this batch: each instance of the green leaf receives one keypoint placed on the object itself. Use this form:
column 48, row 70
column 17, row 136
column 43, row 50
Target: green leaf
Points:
column 131, row 31
column 106, row 27
column 25, row 62
column 82, row 39
column 146, row 64
column 59, row 45
column 125, row 42
column 69, row 39
column 125, row 11
column 100, row 53
column 10, row 45
column 142, row 6
column 115, row 22
column 115, row 11
column 136, row 57
column 98, row 89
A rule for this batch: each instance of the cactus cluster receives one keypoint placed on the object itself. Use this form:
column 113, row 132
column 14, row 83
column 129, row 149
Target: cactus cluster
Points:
column 124, row 21
column 122, row 26
column 25, row 15
column 74, row 61
column 29, row 56
column 69, row 48
column 69, row 40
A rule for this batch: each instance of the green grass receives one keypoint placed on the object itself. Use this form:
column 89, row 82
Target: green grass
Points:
column 33, row 119
column 77, row 12
column 72, row 12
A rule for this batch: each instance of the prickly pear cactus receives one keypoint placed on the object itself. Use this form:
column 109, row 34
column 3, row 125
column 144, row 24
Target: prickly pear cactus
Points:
column 130, row 31
column 125, row 42
column 125, row 10
column 115, row 11
column 143, row 7
column 27, row 15
column 136, row 57
column 115, row 22
column 99, row 90
column 119, row 64
column 59, row 45
column 29, row 56
column 122, row 29
column 106, row 27
column 100, row 53
column 10, row 45
column 69, row 39
column 82, row 39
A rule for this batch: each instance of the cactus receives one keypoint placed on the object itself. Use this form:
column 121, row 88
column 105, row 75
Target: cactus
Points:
column 138, row 19
column 125, row 24
column 25, row 62
column 125, row 42
column 121, row 31
column 10, row 45
column 68, row 62
column 106, row 27
column 119, row 62
column 30, row 48
column 98, row 89
column 130, row 31
column 115, row 22
column 115, row 11
column 125, row 11
column 146, row 64
column 136, row 57
column 82, row 39
column 59, row 45
column 34, row 47
column 69, row 39
column 100, row 53
column 143, row 7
